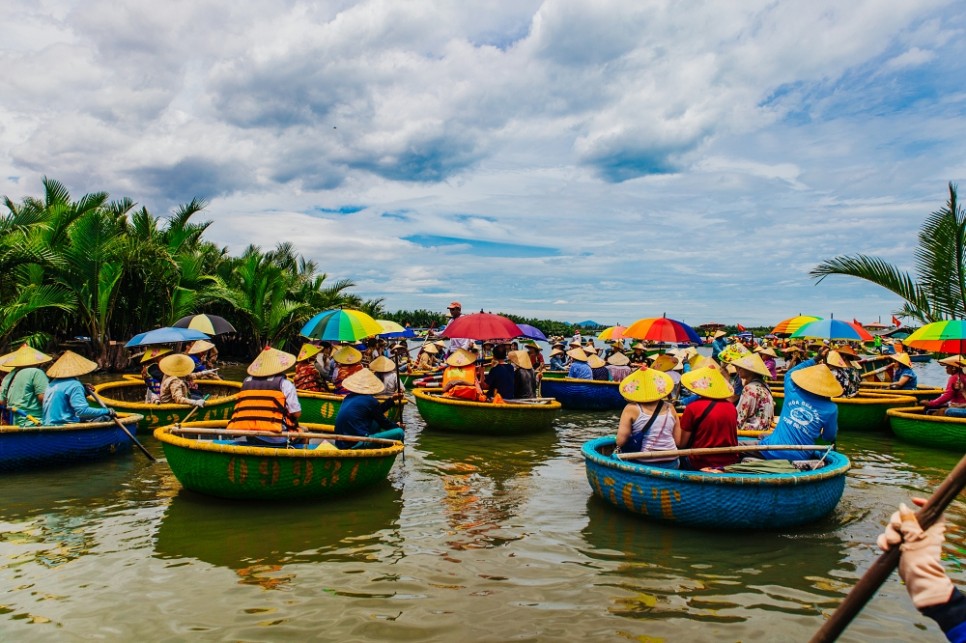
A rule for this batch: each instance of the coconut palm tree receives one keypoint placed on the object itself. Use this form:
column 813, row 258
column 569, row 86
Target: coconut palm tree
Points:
column 938, row 290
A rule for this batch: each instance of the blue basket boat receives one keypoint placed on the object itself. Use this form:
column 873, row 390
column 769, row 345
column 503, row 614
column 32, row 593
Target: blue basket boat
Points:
column 31, row 447
column 583, row 395
column 715, row 500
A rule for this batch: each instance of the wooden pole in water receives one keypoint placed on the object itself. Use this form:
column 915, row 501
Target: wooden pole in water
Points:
column 884, row 565
column 125, row 429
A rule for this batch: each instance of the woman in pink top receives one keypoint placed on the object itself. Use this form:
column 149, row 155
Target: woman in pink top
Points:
column 955, row 392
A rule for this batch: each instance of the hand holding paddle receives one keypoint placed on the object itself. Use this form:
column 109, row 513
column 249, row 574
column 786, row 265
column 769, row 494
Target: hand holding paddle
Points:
column 124, row 428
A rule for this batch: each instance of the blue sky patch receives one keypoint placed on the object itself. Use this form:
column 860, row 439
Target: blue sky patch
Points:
column 481, row 248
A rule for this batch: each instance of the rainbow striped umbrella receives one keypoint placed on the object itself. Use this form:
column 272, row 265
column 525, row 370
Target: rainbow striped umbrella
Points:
column 662, row 329
column 341, row 325
column 833, row 329
column 790, row 325
column 942, row 337
column 612, row 332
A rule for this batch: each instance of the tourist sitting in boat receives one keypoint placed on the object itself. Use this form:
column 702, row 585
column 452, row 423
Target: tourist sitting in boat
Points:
column 756, row 406
column 200, row 354
column 499, row 382
column 24, row 388
column 903, row 377
column 325, row 365
column 461, row 377
column 151, row 373
column 349, row 361
column 768, row 356
column 808, row 412
column 536, row 357
column 427, row 358
column 558, row 360
column 618, row 366
column 579, row 369
column 955, row 392
column 361, row 414
column 174, row 387
column 794, row 355
column 65, row 401
column 710, row 421
column 718, row 344
column 598, row 368
column 385, row 370
column 267, row 401
column 847, row 375
column 524, row 379
column 638, row 356
column 307, row 377
column 648, row 422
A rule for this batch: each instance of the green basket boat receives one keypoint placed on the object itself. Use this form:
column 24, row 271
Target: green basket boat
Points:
column 226, row 470
column 463, row 416
column 321, row 408
column 921, row 394
column 127, row 396
column 554, row 375
column 911, row 425
column 864, row 412
column 407, row 379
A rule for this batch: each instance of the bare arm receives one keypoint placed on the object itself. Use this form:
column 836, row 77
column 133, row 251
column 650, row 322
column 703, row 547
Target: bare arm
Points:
column 628, row 415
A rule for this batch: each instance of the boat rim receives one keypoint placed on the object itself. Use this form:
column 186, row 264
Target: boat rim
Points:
column 145, row 406
column 425, row 393
column 125, row 418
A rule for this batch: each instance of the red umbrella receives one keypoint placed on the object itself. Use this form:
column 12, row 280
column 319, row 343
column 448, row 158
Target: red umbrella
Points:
column 662, row 329
column 484, row 327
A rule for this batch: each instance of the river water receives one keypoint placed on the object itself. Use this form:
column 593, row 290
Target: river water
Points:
column 472, row 538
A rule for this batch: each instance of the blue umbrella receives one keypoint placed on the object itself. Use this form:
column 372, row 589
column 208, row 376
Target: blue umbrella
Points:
column 531, row 332
column 166, row 335
column 399, row 334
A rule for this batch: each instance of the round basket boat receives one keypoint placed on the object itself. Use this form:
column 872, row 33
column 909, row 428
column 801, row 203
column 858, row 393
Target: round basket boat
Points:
column 584, row 395
column 127, row 396
column 321, row 408
column 553, row 375
column 42, row 446
column 914, row 426
column 227, row 470
column 715, row 500
column 864, row 412
column 462, row 416
column 921, row 394
column 407, row 378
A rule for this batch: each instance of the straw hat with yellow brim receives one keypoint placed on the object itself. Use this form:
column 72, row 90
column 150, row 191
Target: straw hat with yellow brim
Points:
column 638, row 345
column 347, row 355
column 556, row 351
column 364, row 382
column 753, row 363
column 952, row 360
column 719, row 333
column 177, row 365
column 902, row 358
column 25, row 356
column 792, row 349
column 707, row 381
column 382, row 364
column 594, row 361
column 271, row 361
column 847, row 350
column 770, row 352
column 154, row 353
column 733, row 352
column 618, row 359
column 817, row 380
column 308, row 351
column 461, row 357
column 199, row 347
column 834, row 358
column 520, row 359
column 70, row 364
column 664, row 363
column 428, row 348
column 578, row 354
column 646, row 385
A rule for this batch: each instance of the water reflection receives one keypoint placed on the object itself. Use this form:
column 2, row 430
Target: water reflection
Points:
column 262, row 541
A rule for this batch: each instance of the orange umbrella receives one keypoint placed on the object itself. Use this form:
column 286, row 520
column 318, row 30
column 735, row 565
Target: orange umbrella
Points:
column 790, row 325
column 612, row 332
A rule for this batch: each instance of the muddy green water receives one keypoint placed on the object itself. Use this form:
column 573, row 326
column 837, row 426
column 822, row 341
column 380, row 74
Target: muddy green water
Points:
column 470, row 539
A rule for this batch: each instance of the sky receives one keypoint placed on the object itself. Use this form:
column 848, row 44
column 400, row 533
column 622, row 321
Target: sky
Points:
column 564, row 159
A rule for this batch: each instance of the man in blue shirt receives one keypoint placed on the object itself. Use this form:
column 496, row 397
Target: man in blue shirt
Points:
column 500, row 379
column 361, row 413
column 65, row 401
column 579, row 368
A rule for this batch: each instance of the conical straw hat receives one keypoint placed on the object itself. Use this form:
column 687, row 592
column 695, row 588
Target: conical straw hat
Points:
column 347, row 355
column 834, row 358
column 646, row 385
column 382, row 364
column 363, row 381
column 270, row 361
column 902, row 358
column 308, row 351
column 707, row 382
column 428, row 348
column 25, row 356
column 952, row 360
column 770, row 352
column 817, row 379
column 177, row 365
column 199, row 347
column 753, row 363
column 520, row 358
column 461, row 357
column 594, row 361
column 578, row 354
column 153, row 353
column 618, row 359
column 732, row 352
column 664, row 362
column 70, row 364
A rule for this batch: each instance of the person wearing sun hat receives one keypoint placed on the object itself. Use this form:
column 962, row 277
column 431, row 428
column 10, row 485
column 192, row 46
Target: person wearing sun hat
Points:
column 349, row 361
column 536, row 357
column 151, row 373
column 174, row 389
column 718, row 344
column 579, row 369
column 638, row 355
column 558, row 360
column 955, row 392
column 461, row 376
column 524, row 378
column 711, row 420
column 455, row 309
column 618, row 366
column 66, row 399
column 808, row 412
column 768, row 356
column 307, row 376
column 268, row 401
column 361, row 414
column 846, row 374
column 903, row 377
column 756, row 406
column 385, row 370
column 598, row 367
column 199, row 353
column 24, row 388
column 426, row 361
column 648, row 422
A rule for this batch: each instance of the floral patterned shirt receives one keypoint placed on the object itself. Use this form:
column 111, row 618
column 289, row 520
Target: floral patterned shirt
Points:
column 756, row 407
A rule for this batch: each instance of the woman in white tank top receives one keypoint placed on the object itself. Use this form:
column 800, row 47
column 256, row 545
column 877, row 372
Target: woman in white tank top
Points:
column 648, row 422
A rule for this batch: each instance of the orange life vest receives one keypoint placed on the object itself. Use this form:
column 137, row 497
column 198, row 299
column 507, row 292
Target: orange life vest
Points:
column 261, row 406
column 462, row 374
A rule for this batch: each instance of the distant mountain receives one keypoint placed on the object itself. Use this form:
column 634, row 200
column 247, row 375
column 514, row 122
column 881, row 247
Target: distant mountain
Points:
column 590, row 323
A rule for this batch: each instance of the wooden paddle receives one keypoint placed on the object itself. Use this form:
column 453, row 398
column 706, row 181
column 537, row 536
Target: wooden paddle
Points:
column 884, row 565
column 124, row 428
column 272, row 434
column 651, row 455
column 395, row 359
column 191, row 412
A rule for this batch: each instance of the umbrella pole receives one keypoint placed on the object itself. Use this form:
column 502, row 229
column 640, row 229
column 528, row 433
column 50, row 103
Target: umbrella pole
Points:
column 395, row 359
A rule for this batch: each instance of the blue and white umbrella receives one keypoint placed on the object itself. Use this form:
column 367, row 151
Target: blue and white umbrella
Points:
column 165, row 335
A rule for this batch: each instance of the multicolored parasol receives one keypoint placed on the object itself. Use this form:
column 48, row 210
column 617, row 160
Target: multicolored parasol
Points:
column 341, row 325
column 833, row 329
column 942, row 337
column 662, row 329
column 207, row 324
column 612, row 332
column 483, row 327
column 790, row 325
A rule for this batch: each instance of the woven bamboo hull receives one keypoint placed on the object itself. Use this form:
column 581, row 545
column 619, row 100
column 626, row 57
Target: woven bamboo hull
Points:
column 554, row 375
column 44, row 446
column 937, row 431
column 584, row 395
column 127, row 396
column 322, row 408
column 407, row 379
column 925, row 393
column 264, row 473
column 715, row 500
column 864, row 412
column 463, row 416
